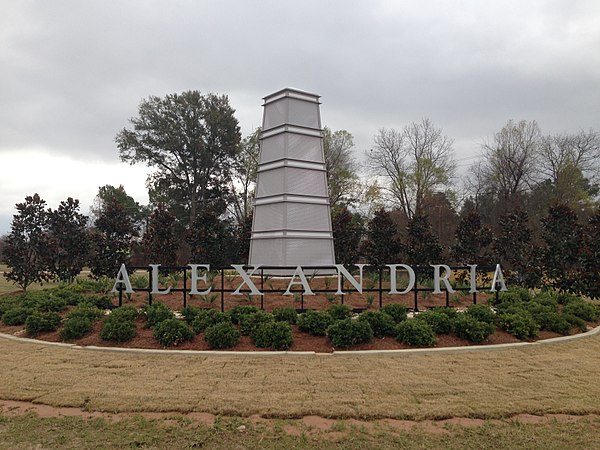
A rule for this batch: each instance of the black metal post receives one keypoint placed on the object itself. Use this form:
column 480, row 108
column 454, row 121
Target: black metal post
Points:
column 447, row 299
column 185, row 288
column 380, row 288
column 149, row 286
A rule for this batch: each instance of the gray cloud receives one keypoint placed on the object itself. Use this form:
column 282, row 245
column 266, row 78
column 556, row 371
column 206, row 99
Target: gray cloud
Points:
column 73, row 72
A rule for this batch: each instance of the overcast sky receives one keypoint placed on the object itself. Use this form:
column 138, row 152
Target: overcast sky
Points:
column 73, row 72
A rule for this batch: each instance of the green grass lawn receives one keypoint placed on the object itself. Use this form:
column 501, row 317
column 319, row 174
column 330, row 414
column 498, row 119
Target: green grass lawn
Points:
column 7, row 286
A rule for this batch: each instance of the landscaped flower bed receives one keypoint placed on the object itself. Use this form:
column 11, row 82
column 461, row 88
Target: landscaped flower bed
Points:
column 71, row 314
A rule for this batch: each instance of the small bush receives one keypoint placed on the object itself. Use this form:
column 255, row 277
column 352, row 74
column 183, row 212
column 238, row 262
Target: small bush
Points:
column 85, row 310
column 468, row 327
column 516, row 295
column 250, row 322
column 483, row 313
column 207, row 318
column 7, row 303
column 189, row 313
column 415, row 332
column 237, row 312
column 44, row 301
column 438, row 320
column 346, row 333
column 171, row 332
column 76, row 327
column 71, row 296
column 520, row 326
column 396, row 311
column 118, row 328
column 156, row 313
column 287, row 314
column 99, row 301
column 339, row 312
column 275, row 335
column 16, row 316
column 39, row 322
column 382, row 324
column 564, row 298
column 450, row 312
column 129, row 313
column 576, row 322
column 314, row 322
column 222, row 335
column 553, row 321
column 582, row 309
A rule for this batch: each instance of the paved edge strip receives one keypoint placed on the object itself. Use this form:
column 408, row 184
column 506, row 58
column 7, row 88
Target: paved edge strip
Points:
column 399, row 352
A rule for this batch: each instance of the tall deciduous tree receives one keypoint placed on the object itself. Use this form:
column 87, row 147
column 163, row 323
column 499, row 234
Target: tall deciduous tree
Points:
column 243, row 182
column 412, row 163
column 26, row 247
column 342, row 178
column 109, row 194
column 508, row 167
column 68, row 240
column 191, row 140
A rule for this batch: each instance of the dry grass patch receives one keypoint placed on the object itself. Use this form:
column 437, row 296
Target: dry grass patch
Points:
column 546, row 379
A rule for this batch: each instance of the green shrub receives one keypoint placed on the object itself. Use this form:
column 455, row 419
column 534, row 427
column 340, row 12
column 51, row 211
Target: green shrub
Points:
column 171, row 332
column 582, row 309
column 237, row 312
column 156, row 313
column 71, row 296
column 249, row 322
column 44, row 301
column 438, row 320
column 129, row 313
column 117, row 327
column 564, row 298
column 450, row 312
column 515, row 295
column 7, row 303
column 207, row 318
column 39, row 322
column 553, row 321
column 348, row 332
column 102, row 285
column 85, row 310
column 468, row 327
column 222, row 335
column 76, row 327
column 415, row 332
column 189, row 313
column 339, row 312
column 382, row 324
column 275, row 335
column 396, row 311
column 16, row 316
column 287, row 314
column 314, row 322
column 576, row 322
column 99, row 301
column 520, row 326
column 483, row 313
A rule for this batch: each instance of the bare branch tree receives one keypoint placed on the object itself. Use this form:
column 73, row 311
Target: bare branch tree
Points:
column 414, row 163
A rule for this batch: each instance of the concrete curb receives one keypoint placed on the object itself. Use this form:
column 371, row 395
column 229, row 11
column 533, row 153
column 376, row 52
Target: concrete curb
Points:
column 399, row 352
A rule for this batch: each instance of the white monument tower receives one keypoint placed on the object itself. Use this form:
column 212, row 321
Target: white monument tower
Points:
column 292, row 218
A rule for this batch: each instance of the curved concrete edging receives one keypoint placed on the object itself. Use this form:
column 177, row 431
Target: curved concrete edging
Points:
column 399, row 352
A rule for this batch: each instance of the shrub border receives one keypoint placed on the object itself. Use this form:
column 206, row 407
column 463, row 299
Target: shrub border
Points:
column 396, row 352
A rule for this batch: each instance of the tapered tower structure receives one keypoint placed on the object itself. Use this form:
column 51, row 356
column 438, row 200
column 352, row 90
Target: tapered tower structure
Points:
column 292, row 218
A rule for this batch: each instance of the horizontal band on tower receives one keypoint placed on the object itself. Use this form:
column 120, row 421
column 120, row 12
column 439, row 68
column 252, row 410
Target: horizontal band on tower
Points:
column 292, row 234
column 292, row 163
column 291, row 129
column 282, row 198
column 292, row 93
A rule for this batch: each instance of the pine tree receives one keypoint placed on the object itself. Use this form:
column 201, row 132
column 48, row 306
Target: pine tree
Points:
column 160, row 242
column 473, row 240
column 347, row 232
column 422, row 247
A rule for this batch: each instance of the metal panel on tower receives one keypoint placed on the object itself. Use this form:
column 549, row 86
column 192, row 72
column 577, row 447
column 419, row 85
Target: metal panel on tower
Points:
column 292, row 217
